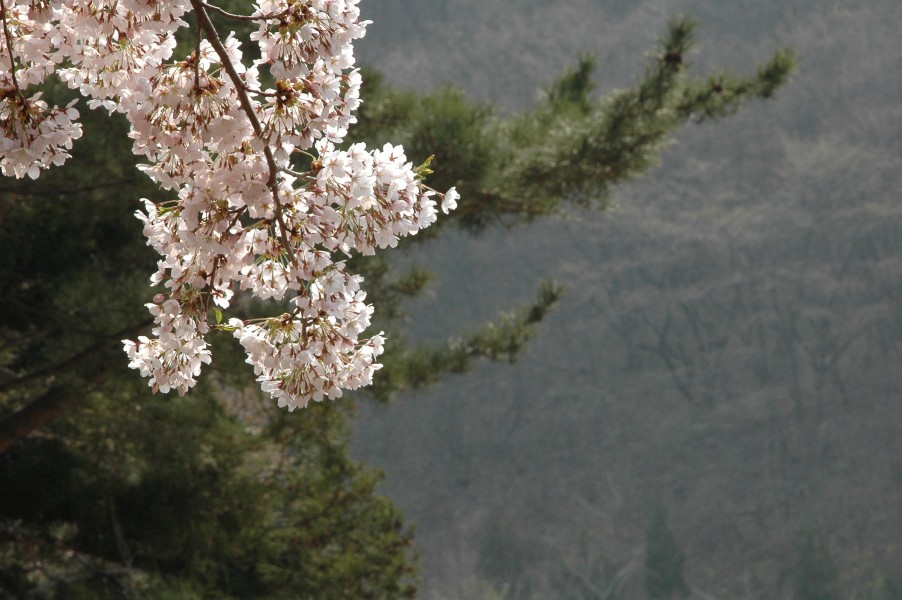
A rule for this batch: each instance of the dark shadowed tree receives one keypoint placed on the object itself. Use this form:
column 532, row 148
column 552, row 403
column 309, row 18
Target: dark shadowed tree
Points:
column 663, row 558
column 814, row 572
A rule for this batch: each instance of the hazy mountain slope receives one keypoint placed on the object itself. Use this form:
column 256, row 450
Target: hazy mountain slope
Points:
column 731, row 335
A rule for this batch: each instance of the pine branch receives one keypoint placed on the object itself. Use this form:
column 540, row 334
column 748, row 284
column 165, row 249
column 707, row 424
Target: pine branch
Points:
column 571, row 147
column 501, row 340
column 59, row 397
column 67, row 363
column 36, row 414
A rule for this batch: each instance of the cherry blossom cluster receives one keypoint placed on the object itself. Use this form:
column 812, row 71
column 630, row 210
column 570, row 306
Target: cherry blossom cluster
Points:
column 266, row 197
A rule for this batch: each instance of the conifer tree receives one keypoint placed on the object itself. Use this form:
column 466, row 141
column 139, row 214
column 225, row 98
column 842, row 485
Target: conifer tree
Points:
column 814, row 573
column 663, row 559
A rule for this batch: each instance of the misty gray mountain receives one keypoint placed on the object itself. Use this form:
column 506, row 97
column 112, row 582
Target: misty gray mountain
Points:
column 724, row 370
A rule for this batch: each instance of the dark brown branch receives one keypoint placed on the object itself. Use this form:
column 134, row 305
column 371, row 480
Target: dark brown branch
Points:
column 59, row 398
column 6, row 205
column 36, row 414
column 61, row 191
column 68, row 362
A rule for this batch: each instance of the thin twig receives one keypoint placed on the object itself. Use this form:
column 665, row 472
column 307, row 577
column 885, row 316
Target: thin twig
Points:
column 303, row 175
column 229, row 15
column 197, row 61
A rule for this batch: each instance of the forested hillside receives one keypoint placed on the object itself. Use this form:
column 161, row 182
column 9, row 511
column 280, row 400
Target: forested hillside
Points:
column 714, row 406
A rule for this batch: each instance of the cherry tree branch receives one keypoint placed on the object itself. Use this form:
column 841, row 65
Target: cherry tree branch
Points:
column 36, row 414
column 203, row 21
column 9, row 48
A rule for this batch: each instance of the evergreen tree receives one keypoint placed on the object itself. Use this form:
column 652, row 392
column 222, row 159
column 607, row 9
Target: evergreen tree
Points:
column 814, row 575
column 504, row 558
column 663, row 558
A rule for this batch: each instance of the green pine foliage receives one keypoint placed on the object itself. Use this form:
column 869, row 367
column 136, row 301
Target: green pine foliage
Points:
column 572, row 146
column 147, row 496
